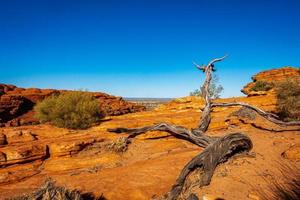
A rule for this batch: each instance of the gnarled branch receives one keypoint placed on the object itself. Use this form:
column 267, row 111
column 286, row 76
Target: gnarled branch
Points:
column 216, row 153
column 177, row 131
column 269, row 116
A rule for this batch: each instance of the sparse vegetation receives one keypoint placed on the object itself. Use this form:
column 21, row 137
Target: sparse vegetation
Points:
column 288, row 95
column 288, row 189
column 262, row 86
column 75, row 110
column 214, row 89
column 120, row 145
column 49, row 191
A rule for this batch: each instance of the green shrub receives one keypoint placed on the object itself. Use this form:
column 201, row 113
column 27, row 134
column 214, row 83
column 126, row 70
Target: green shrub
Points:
column 288, row 95
column 214, row 89
column 262, row 86
column 75, row 110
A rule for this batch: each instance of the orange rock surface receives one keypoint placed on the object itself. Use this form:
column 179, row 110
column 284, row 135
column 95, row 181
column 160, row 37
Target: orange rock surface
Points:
column 82, row 160
column 271, row 76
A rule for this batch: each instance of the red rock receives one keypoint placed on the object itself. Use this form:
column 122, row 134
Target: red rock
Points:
column 13, row 106
column 16, row 104
column 5, row 88
column 271, row 76
column 17, row 173
column 22, row 154
column 19, row 136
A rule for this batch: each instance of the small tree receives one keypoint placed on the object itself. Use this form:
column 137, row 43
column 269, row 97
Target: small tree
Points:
column 214, row 89
column 75, row 110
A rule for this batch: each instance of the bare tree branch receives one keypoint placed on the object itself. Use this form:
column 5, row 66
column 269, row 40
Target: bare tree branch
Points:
column 177, row 131
column 269, row 116
column 202, row 68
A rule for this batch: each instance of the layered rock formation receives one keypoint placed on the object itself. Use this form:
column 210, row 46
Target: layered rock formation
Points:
column 16, row 104
column 84, row 159
column 271, row 76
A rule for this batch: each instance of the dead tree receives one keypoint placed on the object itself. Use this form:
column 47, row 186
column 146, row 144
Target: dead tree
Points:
column 216, row 149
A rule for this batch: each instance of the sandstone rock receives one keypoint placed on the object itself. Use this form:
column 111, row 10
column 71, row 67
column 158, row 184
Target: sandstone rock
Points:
column 293, row 153
column 69, row 147
column 22, row 154
column 257, row 93
column 16, row 104
column 13, row 106
column 17, row 173
column 19, row 136
column 113, row 106
column 271, row 76
column 5, row 88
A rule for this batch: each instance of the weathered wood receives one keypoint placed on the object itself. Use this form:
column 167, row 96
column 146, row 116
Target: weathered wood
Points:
column 269, row 116
column 205, row 116
column 217, row 152
column 177, row 131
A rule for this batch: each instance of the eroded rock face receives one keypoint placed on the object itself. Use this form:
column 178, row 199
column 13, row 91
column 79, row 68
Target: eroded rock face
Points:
column 271, row 76
column 78, row 159
column 22, row 154
column 16, row 104
column 12, row 106
column 113, row 106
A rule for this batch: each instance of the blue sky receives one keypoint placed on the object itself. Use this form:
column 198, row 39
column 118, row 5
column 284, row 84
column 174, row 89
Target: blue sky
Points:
column 144, row 48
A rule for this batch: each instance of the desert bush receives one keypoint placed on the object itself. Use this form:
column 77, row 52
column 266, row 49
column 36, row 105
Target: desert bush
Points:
column 262, row 86
column 120, row 145
column 288, row 97
column 49, row 191
column 75, row 110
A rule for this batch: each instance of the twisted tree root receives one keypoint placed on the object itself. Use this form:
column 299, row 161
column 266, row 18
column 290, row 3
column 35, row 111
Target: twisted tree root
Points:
column 215, row 153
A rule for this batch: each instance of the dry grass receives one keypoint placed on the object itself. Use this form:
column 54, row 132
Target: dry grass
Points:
column 287, row 189
column 120, row 145
column 49, row 191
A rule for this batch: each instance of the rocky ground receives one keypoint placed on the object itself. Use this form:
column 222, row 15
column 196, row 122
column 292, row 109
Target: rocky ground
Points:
column 86, row 160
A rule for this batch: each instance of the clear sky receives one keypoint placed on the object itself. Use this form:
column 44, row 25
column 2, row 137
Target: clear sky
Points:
column 144, row 48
